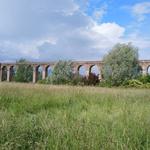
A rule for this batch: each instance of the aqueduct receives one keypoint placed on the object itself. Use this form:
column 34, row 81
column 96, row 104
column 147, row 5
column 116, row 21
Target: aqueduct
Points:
column 6, row 69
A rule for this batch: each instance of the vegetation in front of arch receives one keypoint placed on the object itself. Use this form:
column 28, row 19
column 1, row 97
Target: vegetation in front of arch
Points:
column 4, row 75
column 121, row 65
column 63, row 74
column 24, row 72
column 24, row 75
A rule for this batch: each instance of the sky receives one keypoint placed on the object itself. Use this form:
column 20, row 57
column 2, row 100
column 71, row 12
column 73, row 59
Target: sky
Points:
column 50, row 30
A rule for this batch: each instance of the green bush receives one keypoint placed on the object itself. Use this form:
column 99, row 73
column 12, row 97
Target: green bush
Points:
column 24, row 71
column 62, row 73
column 121, row 64
column 44, row 81
column 92, row 79
column 134, row 83
column 77, row 80
column 48, row 80
column 104, row 83
column 144, row 78
column 147, row 85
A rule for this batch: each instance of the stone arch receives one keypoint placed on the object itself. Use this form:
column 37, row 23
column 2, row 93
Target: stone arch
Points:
column 82, row 70
column 39, row 70
column 4, row 73
column 148, row 70
column 48, row 70
column 12, row 73
column 95, row 70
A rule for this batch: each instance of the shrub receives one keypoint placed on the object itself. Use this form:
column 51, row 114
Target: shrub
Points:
column 24, row 71
column 147, row 85
column 134, row 83
column 77, row 80
column 104, row 83
column 92, row 79
column 43, row 81
column 121, row 64
column 62, row 73
column 144, row 78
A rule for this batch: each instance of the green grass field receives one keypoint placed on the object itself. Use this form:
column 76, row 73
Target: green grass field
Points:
column 73, row 118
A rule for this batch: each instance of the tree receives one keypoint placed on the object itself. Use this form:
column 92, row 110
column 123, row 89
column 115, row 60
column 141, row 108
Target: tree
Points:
column 62, row 72
column 121, row 64
column 24, row 71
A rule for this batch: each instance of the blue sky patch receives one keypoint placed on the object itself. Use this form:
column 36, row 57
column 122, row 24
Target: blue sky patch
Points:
column 47, row 30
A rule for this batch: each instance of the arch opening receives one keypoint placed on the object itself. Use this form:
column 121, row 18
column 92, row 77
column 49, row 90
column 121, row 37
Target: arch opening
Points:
column 39, row 71
column 82, row 70
column 4, row 73
column 95, row 70
column 48, row 71
column 148, row 70
column 12, row 73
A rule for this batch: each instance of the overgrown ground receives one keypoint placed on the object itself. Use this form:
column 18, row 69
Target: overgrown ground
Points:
column 75, row 118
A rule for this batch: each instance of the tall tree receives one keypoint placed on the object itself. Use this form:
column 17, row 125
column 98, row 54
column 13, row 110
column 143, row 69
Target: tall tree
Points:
column 24, row 71
column 121, row 64
column 62, row 72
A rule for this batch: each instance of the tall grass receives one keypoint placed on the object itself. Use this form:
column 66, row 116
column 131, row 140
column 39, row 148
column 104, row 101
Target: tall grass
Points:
column 73, row 118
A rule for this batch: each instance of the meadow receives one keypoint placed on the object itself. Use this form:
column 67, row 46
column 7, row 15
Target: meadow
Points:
column 42, row 117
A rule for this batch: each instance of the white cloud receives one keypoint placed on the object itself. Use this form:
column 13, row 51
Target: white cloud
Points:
column 99, row 13
column 50, row 30
column 140, row 42
column 140, row 10
column 109, row 30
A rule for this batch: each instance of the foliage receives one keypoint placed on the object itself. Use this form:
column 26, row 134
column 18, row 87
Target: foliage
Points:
column 146, row 85
column 68, row 117
column 121, row 64
column 92, row 79
column 39, row 75
column 24, row 71
column 43, row 81
column 134, row 83
column 62, row 73
column 142, row 81
column 104, row 83
column 4, row 75
column 77, row 79
column 144, row 78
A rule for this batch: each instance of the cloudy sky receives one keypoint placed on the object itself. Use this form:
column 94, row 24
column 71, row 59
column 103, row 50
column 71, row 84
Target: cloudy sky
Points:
column 47, row 30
